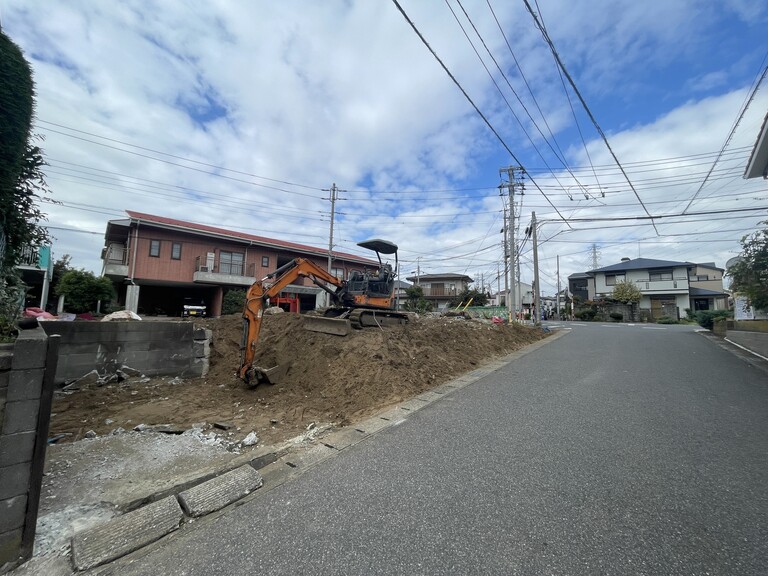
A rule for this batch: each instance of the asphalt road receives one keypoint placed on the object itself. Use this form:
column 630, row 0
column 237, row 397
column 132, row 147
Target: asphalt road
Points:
column 615, row 449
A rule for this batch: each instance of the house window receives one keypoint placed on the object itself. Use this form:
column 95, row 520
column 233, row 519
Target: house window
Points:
column 231, row 263
column 176, row 251
column 154, row 248
column 338, row 272
column 265, row 261
column 660, row 275
column 612, row 279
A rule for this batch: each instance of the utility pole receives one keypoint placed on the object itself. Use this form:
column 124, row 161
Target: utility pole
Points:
column 510, row 307
column 537, row 288
column 557, row 309
column 334, row 190
column 514, row 183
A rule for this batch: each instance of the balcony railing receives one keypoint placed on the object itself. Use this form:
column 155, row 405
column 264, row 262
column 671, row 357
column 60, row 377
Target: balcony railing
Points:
column 663, row 285
column 30, row 257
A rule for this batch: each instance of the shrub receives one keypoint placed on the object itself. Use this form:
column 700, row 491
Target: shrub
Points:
column 586, row 314
column 82, row 290
column 616, row 316
column 706, row 318
column 667, row 320
column 233, row 302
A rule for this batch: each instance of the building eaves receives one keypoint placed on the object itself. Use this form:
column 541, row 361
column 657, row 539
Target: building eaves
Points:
column 757, row 166
column 704, row 292
column 641, row 264
column 250, row 239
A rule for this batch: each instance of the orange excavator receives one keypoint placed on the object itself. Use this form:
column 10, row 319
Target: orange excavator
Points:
column 364, row 300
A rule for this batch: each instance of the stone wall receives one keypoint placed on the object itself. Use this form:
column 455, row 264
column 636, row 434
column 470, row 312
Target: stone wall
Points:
column 26, row 390
column 748, row 325
column 153, row 348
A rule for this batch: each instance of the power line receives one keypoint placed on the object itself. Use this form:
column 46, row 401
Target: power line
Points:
column 552, row 48
column 469, row 99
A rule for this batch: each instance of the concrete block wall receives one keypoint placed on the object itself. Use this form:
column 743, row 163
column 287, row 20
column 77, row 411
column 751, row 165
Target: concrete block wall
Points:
column 25, row 407
column 154, row 348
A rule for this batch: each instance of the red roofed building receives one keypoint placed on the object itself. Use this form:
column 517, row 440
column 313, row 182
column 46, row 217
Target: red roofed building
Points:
column 158, row 263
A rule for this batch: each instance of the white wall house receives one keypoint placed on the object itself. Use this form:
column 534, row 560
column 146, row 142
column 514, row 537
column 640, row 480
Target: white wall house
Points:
column 668, row 287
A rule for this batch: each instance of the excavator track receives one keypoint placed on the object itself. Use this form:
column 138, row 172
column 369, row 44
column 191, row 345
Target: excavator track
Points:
column 371, row 318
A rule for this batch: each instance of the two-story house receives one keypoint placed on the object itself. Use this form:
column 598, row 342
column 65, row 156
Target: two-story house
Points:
column 668, row 287
column 440, row 289
column 158, row 263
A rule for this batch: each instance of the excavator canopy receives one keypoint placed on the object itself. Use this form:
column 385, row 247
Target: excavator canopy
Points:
column 380, row 246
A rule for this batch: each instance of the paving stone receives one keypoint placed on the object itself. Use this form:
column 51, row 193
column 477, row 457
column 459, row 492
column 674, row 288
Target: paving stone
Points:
column 125, row 533
column 220, row 491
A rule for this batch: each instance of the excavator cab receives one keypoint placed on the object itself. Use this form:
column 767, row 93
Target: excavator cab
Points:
column 378, row 285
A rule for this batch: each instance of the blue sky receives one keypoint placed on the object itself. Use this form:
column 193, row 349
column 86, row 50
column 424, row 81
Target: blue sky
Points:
column 240, row 114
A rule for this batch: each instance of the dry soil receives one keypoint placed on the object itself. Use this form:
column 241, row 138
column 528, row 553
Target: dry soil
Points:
column 332, row 379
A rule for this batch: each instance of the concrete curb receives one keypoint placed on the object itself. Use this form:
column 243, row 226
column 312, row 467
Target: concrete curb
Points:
column 262, row 474
column 125, row 534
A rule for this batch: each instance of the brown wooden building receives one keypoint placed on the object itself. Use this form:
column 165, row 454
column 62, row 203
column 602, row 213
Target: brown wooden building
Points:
column 157, row 264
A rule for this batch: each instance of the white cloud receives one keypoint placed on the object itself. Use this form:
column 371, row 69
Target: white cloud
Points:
column 314, row 93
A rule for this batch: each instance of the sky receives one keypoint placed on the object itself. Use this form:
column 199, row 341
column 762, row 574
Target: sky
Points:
column 243, row 115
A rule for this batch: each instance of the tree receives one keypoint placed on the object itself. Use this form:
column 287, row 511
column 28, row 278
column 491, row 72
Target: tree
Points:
column 415, row 300
column 61, row 267
column 233, row 301
column 477, row 297
column 22, row 182
column 749, row 275
column 82, row 290
column 626, row 293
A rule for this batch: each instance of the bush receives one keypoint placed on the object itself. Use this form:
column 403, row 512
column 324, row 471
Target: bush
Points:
column 233, row 302
column 667, row 320
column 586, row 315
column 82, row 290
column 706, row 318
column 616, row 316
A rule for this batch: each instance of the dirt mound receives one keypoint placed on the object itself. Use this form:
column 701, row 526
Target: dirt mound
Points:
column 330, row 379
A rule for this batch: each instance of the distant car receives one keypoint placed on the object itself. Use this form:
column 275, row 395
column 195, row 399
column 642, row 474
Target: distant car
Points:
column 194, row 307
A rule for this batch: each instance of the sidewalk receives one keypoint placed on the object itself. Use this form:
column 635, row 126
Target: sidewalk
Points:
column 755, row 342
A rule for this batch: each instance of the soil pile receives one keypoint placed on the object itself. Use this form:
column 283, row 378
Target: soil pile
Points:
column 331, row 379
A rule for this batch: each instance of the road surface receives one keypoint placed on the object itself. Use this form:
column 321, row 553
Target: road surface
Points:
column 616, row 449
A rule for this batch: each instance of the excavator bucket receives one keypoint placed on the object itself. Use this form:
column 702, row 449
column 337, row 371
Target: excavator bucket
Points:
column 274, row 375
column 335, row 326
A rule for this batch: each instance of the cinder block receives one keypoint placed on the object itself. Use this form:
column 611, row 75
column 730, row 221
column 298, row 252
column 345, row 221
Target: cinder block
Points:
column 6, row 357
column 5, row 377
column 20, row 416
column 30, row 350
column 15, row 480
column 25, row 384
column 10, row 547
column 202, row 334
column 201, row 348
column 17, row 448
column 12, row 512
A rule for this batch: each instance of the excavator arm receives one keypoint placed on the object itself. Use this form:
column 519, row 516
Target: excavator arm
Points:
column 258, row 294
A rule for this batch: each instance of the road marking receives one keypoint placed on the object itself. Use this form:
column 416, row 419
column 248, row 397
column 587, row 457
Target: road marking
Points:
column 577, row 324
column 652, row 328
column 610, row 325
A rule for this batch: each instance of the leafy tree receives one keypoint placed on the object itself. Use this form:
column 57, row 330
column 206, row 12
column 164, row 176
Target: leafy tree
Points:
column 233, row 302
column 22, row 182
column 61, row 267
column 749, row 276
column 626, row 293
column 82, row 290
column 415, row 300
column 478, row 298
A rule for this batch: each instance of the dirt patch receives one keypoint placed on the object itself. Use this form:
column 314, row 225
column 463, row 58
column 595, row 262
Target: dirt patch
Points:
column 331, row 378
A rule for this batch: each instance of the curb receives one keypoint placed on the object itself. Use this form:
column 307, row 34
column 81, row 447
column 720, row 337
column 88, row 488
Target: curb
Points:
column 168, row 511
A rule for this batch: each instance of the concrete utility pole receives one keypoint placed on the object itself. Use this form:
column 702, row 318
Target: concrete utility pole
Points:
column 537, row 288
column 557, row 309
column 334, row 191
column 507, row 303
column 514, row 183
